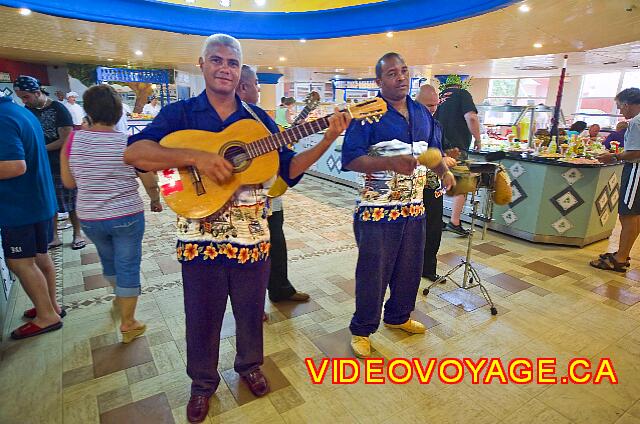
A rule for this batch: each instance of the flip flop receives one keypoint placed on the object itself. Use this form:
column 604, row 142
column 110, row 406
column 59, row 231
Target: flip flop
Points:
column 31, row 313
column 54, row 245
column 30, row 329
column 78, row 244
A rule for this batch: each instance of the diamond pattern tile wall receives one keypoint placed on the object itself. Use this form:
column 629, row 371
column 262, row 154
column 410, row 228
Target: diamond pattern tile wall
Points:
column 562, row 225
column 572, row 176
column 517, row 194
column 509, row 217
column 516, row 170
column 567, row 201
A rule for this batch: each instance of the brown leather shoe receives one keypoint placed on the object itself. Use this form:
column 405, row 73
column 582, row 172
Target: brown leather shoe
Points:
column 257, row 383
column 298, row 297
column 197, row 408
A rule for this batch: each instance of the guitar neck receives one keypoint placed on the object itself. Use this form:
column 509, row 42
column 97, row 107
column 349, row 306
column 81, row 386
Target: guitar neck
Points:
column 302, row 116
column 289, row 136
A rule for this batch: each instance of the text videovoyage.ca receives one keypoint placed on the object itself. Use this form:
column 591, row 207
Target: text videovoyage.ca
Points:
column 457, row 370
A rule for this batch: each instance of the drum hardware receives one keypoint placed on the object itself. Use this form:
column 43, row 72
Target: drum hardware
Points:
column 476, row 175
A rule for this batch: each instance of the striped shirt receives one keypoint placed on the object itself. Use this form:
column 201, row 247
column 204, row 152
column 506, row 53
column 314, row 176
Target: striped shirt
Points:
column 107, row 187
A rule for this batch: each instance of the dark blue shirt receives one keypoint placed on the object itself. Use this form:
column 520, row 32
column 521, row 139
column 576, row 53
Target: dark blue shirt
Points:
column 360, row 138
column 387, row 196
column 197, row 113
column 30, row 197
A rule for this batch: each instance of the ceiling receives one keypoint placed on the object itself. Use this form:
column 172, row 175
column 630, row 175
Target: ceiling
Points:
column 273, row 5
column 187, row 18
column 586, row 29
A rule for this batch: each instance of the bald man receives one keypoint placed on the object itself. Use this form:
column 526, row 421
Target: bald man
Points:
column 432, row 196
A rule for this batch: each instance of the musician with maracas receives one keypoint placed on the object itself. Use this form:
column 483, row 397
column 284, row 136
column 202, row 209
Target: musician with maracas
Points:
column 389, row 218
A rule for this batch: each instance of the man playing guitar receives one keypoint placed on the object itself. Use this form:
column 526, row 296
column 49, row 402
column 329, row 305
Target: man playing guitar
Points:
column 226, row 254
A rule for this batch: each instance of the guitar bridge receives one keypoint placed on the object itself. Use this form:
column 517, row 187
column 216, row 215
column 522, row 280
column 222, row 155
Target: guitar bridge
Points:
column 197, row 181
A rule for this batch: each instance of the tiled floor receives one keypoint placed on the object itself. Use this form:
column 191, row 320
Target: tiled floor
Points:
column 550, row 303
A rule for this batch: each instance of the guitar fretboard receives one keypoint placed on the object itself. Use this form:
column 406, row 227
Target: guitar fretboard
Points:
column 302, row 116
column 289, row 136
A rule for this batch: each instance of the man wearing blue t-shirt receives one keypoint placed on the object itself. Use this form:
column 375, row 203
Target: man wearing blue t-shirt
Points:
column 225, row 255
column 389, row 219
column 28, row 206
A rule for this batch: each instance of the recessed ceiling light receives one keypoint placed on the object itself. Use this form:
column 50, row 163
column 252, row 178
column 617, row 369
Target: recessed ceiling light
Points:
column 339, row 69
column 225, row 3
column 462, row 65
column 270, row 67
column 110, row 60
column 389, row 34
column 524, row 8
column 537, row 45
column 260, row 2
column 190, row 1
column 282, row 58
column 138, row 52
column 302, row 40
column 24, row 11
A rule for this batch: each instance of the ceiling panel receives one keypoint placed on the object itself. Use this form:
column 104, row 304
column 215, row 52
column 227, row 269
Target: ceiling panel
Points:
column 582, row 26
column 273, row 5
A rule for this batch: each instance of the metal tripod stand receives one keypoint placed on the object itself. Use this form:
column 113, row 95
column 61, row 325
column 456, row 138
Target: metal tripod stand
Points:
column 471, row 279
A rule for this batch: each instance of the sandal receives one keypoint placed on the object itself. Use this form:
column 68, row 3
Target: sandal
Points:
column 31, row 313
column 30, row 329
column 609, row 264
column 128, row 336
column 78, row 244
column 606, row 255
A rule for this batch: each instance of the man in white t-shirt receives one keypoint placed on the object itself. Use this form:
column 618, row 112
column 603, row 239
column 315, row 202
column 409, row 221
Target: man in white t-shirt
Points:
column 152, row 108
column 76, row 111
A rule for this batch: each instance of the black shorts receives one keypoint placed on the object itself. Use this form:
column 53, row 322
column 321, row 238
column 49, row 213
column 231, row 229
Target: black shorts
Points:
column 27, row 240
column 629, row 198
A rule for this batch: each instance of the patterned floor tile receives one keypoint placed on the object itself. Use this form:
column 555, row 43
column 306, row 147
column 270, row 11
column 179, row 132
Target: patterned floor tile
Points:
column 152, row 410
column 549, row 301
column 120, row 356
column 546, row 269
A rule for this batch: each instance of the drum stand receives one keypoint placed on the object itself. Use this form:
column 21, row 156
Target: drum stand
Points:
column 471, row 279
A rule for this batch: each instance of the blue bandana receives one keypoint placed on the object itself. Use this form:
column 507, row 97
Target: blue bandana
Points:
column 29, row 84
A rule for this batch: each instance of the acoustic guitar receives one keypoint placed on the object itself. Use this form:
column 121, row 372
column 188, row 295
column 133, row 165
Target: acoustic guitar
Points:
column 249, row 147
column 311, row 102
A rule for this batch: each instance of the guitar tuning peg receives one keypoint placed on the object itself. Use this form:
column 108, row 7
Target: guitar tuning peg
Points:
column 376, row 118
column 362, row 122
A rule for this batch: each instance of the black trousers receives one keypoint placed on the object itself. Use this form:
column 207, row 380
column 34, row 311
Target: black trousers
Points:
column 280, row 287
column 433, row 207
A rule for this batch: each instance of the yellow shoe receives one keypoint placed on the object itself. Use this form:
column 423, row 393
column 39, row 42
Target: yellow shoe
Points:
column 411, row 326
column 128, row 336
column 361, row 346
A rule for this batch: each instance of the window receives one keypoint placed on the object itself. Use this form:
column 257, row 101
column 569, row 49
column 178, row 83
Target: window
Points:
column 517, row 91
column 502, row 87
column 631, row 79
column 596, row 97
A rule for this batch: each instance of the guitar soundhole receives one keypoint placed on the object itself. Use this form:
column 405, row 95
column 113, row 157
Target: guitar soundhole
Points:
column 237, row 155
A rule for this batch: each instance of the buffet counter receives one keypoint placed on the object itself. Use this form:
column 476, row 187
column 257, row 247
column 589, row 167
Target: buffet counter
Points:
column 555, row 201
column 330, row 163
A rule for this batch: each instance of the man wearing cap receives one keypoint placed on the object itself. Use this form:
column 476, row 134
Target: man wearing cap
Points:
column 152, row 108
column 57, row 124
column 76, row 111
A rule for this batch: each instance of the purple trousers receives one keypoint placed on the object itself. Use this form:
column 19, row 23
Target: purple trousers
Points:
column 389, row 255
column 206, row 289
